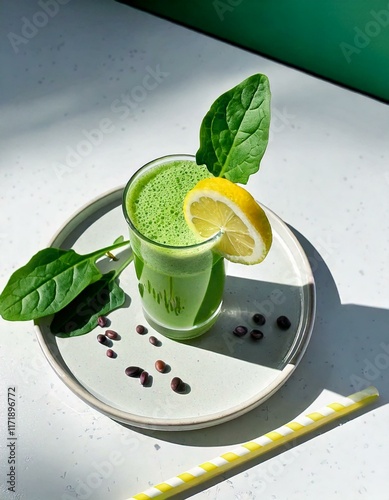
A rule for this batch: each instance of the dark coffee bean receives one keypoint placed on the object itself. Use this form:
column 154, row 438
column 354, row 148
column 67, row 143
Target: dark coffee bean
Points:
column 140, row 329
column 160, row 365
column 177, row 384
column 283, row 322
column 240, row 331
column 256, row 334
column 133, row 371
column 259, row 319
column 111, row 334
column 143, row 378
column 101, row 338
column 110, row 353
column 102, row 321
column 153, row 340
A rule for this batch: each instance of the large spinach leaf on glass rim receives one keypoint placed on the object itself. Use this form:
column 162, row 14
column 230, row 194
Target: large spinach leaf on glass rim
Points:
column 234, row 133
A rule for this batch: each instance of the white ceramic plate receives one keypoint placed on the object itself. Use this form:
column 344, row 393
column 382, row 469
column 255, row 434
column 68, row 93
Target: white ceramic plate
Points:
column 226, row 376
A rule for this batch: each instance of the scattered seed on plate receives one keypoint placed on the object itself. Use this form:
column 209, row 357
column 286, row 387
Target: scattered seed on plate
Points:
column 102, row 321
column 256, row 334
column 110, row 353
column 144, row 377
column 101, row 338
column 160, row 365
column 140, row 329
column 111, row 334
column 177, row 384
column 259, row 319
column 133, row 371
column 283, row 322
column 240, row 330
column 153, row 340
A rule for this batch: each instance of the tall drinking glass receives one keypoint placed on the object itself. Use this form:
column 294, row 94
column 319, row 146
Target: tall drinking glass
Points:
column 180, row 285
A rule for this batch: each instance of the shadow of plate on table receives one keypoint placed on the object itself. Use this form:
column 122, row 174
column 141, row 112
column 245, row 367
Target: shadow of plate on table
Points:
column 348, row 351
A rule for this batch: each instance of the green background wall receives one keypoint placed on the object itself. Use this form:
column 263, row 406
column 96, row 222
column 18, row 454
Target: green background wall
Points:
column 345, row 41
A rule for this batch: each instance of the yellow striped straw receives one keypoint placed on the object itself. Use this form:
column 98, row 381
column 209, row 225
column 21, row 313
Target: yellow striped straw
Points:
column 252, row 449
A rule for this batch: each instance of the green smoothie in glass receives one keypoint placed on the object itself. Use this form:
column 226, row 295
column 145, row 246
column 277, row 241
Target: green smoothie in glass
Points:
column 180, row 278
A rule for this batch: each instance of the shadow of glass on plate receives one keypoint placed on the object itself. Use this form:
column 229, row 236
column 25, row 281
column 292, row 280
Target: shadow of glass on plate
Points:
column 243, row 298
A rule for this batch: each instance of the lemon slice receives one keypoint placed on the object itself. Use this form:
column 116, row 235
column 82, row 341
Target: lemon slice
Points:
column 218, row 205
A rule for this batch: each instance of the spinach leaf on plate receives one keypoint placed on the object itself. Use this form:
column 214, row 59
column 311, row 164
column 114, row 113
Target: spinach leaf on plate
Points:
column 80, row 315
column 48, row 282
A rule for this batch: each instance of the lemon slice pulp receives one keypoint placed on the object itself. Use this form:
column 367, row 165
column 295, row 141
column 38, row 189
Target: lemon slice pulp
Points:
column 218, row 205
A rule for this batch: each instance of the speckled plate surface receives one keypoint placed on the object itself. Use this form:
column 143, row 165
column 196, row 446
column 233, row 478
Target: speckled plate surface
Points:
column 226, row 376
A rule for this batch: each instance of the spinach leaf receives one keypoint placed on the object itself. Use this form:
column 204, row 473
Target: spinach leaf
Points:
column 99, row 298
column 235, row 131
column 48, row 282
column 80, row 316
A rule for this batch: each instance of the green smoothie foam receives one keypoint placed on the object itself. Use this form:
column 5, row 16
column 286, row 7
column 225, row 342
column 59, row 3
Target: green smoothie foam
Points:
column 155, row 204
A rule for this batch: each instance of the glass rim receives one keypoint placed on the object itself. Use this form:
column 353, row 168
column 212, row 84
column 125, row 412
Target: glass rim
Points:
column 135, row 175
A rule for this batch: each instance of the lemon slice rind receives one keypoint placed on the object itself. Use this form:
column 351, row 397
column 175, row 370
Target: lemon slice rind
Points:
column 217, row 205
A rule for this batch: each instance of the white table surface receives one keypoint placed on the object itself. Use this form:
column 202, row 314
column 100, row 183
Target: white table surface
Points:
column 325, row 172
